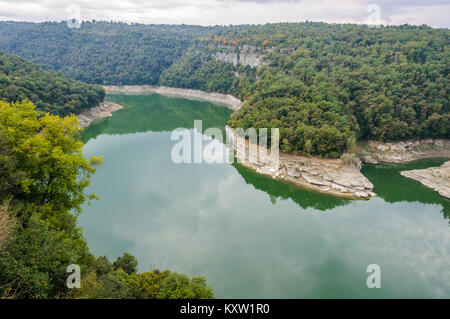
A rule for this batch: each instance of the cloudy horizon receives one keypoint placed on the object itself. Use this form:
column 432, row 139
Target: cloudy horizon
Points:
column 220, row 12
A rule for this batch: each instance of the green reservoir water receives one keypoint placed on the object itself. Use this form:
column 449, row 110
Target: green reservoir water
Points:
column 252, row 236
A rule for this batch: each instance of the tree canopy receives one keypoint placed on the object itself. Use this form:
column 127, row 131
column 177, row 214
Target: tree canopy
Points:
column 48, row 90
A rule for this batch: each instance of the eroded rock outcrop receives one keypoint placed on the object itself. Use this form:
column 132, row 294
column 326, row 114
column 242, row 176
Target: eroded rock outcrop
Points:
column 436, row 178
column 103, row 110
column 324, row 175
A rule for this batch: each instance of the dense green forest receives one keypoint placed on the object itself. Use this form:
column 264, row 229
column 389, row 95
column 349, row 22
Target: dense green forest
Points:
column 43, row 177
column 324, row 85
column 48, row 90
column 100, row 52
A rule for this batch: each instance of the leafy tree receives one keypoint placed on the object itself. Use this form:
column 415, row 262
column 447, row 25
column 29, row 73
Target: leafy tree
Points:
column 90, row 288
column 151, row 283
column 47, row 156
column 120, row 285
column 127, row 263
column 11, row 176
column 102, row 266
column 7, row 227
column 45, row 148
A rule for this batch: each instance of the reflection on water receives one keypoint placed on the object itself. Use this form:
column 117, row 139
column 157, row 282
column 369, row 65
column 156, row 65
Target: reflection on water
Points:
column 158, row 114
column 254, row 237
column 277, row 189
column 393, row 187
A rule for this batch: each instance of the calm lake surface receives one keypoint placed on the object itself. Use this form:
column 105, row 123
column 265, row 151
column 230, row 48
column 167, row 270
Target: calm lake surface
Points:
column 252, row 236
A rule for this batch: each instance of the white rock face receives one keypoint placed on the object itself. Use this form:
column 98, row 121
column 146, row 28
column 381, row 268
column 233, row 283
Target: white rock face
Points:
column 247, row 55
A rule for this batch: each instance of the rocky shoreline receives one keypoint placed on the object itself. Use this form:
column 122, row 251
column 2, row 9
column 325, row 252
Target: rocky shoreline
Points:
column 436, row 178
column 329, row 176
column 217, row 98
column 103, row 110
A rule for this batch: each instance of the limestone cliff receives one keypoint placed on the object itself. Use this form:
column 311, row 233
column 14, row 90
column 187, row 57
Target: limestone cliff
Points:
column 245, row 55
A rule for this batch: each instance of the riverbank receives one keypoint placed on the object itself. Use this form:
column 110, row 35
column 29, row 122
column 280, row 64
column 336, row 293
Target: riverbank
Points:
column 217, row 98
column 436, row 178
column 104, row 109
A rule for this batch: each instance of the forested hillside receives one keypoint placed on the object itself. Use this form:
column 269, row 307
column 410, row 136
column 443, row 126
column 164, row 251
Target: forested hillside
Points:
column 49, row 91
column 100, row 52
column 324, row 85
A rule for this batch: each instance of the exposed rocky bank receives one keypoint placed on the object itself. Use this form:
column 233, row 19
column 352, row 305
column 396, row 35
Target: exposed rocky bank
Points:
column 436, row 178
column 330, row 176
column 103, row 110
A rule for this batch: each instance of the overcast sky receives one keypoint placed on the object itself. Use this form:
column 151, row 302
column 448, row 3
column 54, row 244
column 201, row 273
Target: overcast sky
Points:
column 435, row 13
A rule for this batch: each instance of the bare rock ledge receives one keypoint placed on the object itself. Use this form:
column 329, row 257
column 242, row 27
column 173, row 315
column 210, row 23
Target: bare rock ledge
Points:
column 329, row 176
column 103, row 110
